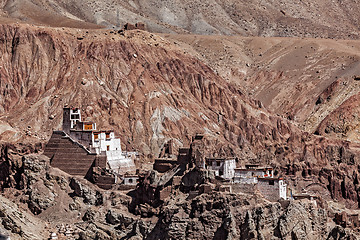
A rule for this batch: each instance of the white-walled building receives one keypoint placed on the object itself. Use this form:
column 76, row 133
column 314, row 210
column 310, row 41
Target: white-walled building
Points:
column 263, row 179
column 250, row 175
column 97, row 142
column 223, row 167
column 131, row 180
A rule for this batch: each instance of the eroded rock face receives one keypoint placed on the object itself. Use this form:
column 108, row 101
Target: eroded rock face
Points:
column 19, row 224
column 40, row 198
column 89, row 195
column 227, row 216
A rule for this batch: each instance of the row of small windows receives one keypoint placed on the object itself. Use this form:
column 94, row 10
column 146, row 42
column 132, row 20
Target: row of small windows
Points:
column 96, row 136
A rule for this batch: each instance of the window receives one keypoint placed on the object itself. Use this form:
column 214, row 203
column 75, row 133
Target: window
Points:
column 88, row 126
column 74, row 116
column 218, row 164
column 107, row 135
column 96, row 136
column 108, row 148
column 130, row 180
column 271, row 182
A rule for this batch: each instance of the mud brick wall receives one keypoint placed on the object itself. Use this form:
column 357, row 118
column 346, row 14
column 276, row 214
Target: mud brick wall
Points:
column 105, row 182
column 270, row 192
column 67, row 155
column 100, row 161
column 163, row 165
column 243, row 188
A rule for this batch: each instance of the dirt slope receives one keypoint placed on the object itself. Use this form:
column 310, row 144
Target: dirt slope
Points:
column 248, row 18
column 139, row 84
column 304, row 80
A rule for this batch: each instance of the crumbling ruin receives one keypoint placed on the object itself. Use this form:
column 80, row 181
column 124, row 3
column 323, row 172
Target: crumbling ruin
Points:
column 138, row 25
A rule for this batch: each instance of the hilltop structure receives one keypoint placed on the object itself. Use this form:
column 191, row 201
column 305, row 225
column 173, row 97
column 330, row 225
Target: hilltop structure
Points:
column 81, row 149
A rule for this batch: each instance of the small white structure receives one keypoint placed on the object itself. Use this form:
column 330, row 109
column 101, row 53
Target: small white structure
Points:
column 99, row 142
column 53, row 236
column 130, row 180
column 223, row 167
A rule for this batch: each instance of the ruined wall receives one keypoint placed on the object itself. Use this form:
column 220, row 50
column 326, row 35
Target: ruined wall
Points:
column 243, row 188
column 133, row 180
column 163, row 165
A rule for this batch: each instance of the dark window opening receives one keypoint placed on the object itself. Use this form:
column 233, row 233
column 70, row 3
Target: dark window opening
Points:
column 107, row 135
column 130, row 180
column 218, row 164
column 76, row 116
column 221, row 172
column 271, row 182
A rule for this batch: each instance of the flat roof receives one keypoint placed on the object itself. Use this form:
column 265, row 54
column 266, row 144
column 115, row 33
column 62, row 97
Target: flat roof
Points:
column 76, row 130
column 91, row 130
column 103, row 131
column 219, row 159
column 270, row 178
column 251, row 170
column 167, row 158
column 128, row 176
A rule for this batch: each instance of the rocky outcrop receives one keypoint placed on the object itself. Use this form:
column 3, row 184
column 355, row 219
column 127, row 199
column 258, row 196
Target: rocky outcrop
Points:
column 89, row 195
column 19, row 224
column 342, row 122
column 226, row 216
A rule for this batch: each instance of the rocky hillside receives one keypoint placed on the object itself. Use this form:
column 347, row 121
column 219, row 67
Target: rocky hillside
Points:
column 261, row 67
column 148, row 90
column 303, row 80
column 139, row 84
column 259, row 99
column 248, row 18
column 40, row 200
